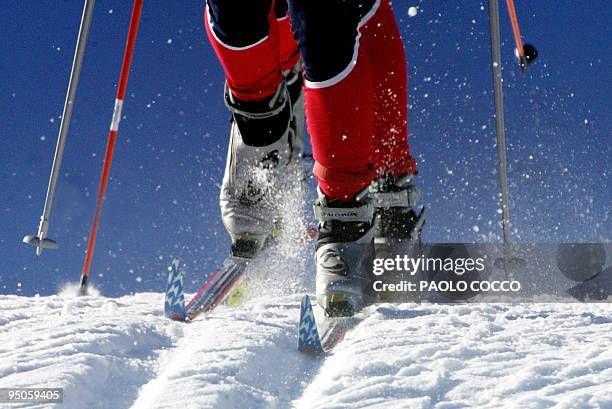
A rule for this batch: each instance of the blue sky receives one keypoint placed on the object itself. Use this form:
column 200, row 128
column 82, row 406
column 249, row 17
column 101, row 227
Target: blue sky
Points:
column 162, row 199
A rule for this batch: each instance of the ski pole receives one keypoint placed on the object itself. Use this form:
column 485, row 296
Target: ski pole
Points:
column 515, row 29
column 527, row 53
column 40, row 240
column 498, row 97
column 112, row 137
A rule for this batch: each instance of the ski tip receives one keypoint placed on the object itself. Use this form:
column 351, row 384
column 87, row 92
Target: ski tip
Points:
column 174, row 305
column 309, row 341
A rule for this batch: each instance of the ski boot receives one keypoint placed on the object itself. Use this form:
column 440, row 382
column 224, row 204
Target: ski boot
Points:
column 395, row 202
column 265, row 145
column 344, row 251
column 398, row 230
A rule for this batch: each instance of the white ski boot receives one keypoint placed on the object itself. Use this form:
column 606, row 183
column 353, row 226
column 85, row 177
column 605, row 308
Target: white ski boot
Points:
column 266, row 146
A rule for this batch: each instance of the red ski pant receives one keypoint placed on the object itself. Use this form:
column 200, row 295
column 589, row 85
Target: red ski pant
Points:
column 254, row 43
column 355, row 72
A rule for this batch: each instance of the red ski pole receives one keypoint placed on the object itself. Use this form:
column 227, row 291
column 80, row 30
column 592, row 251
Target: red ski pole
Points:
column 112, row 137
column 527, row 53
column 515, row 28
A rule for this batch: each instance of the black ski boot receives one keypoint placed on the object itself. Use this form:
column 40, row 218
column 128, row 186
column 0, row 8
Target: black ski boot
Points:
column 395, row 203
column 398, row 230
column 344, row 252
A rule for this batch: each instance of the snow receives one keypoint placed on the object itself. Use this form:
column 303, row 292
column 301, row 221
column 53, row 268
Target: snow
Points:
column 122, row 353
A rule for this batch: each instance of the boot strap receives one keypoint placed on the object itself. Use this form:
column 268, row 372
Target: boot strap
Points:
column 407, row 199
column 278, row 104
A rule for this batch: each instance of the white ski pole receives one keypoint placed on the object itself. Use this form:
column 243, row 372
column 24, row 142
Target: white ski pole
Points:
column 40, row 240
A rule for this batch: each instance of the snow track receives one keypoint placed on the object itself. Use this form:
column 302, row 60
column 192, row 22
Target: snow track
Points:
column 122, row 353
column 243, row 358
column 489, row 356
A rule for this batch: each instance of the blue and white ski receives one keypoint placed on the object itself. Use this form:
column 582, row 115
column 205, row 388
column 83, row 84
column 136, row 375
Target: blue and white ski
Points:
column 216, row 289
column 313, row 341
column 308, row 335
column 212, row 293
column 174, row 305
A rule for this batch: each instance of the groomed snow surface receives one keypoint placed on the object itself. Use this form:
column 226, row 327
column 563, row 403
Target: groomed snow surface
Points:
column 122, row 353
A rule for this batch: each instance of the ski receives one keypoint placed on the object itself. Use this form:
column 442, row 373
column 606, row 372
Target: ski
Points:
column 225, row 284
column 174, row 305
column 315, row 343
column 212, row 293
column 217, row 287
column 308, row 336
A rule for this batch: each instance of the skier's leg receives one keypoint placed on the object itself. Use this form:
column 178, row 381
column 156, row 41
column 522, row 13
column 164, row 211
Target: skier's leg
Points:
column 254, row 43
column 383, row 44
column 289, row 54
column 338, row 92
column 394, row 195
column 339, row 95
column 245, row 36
